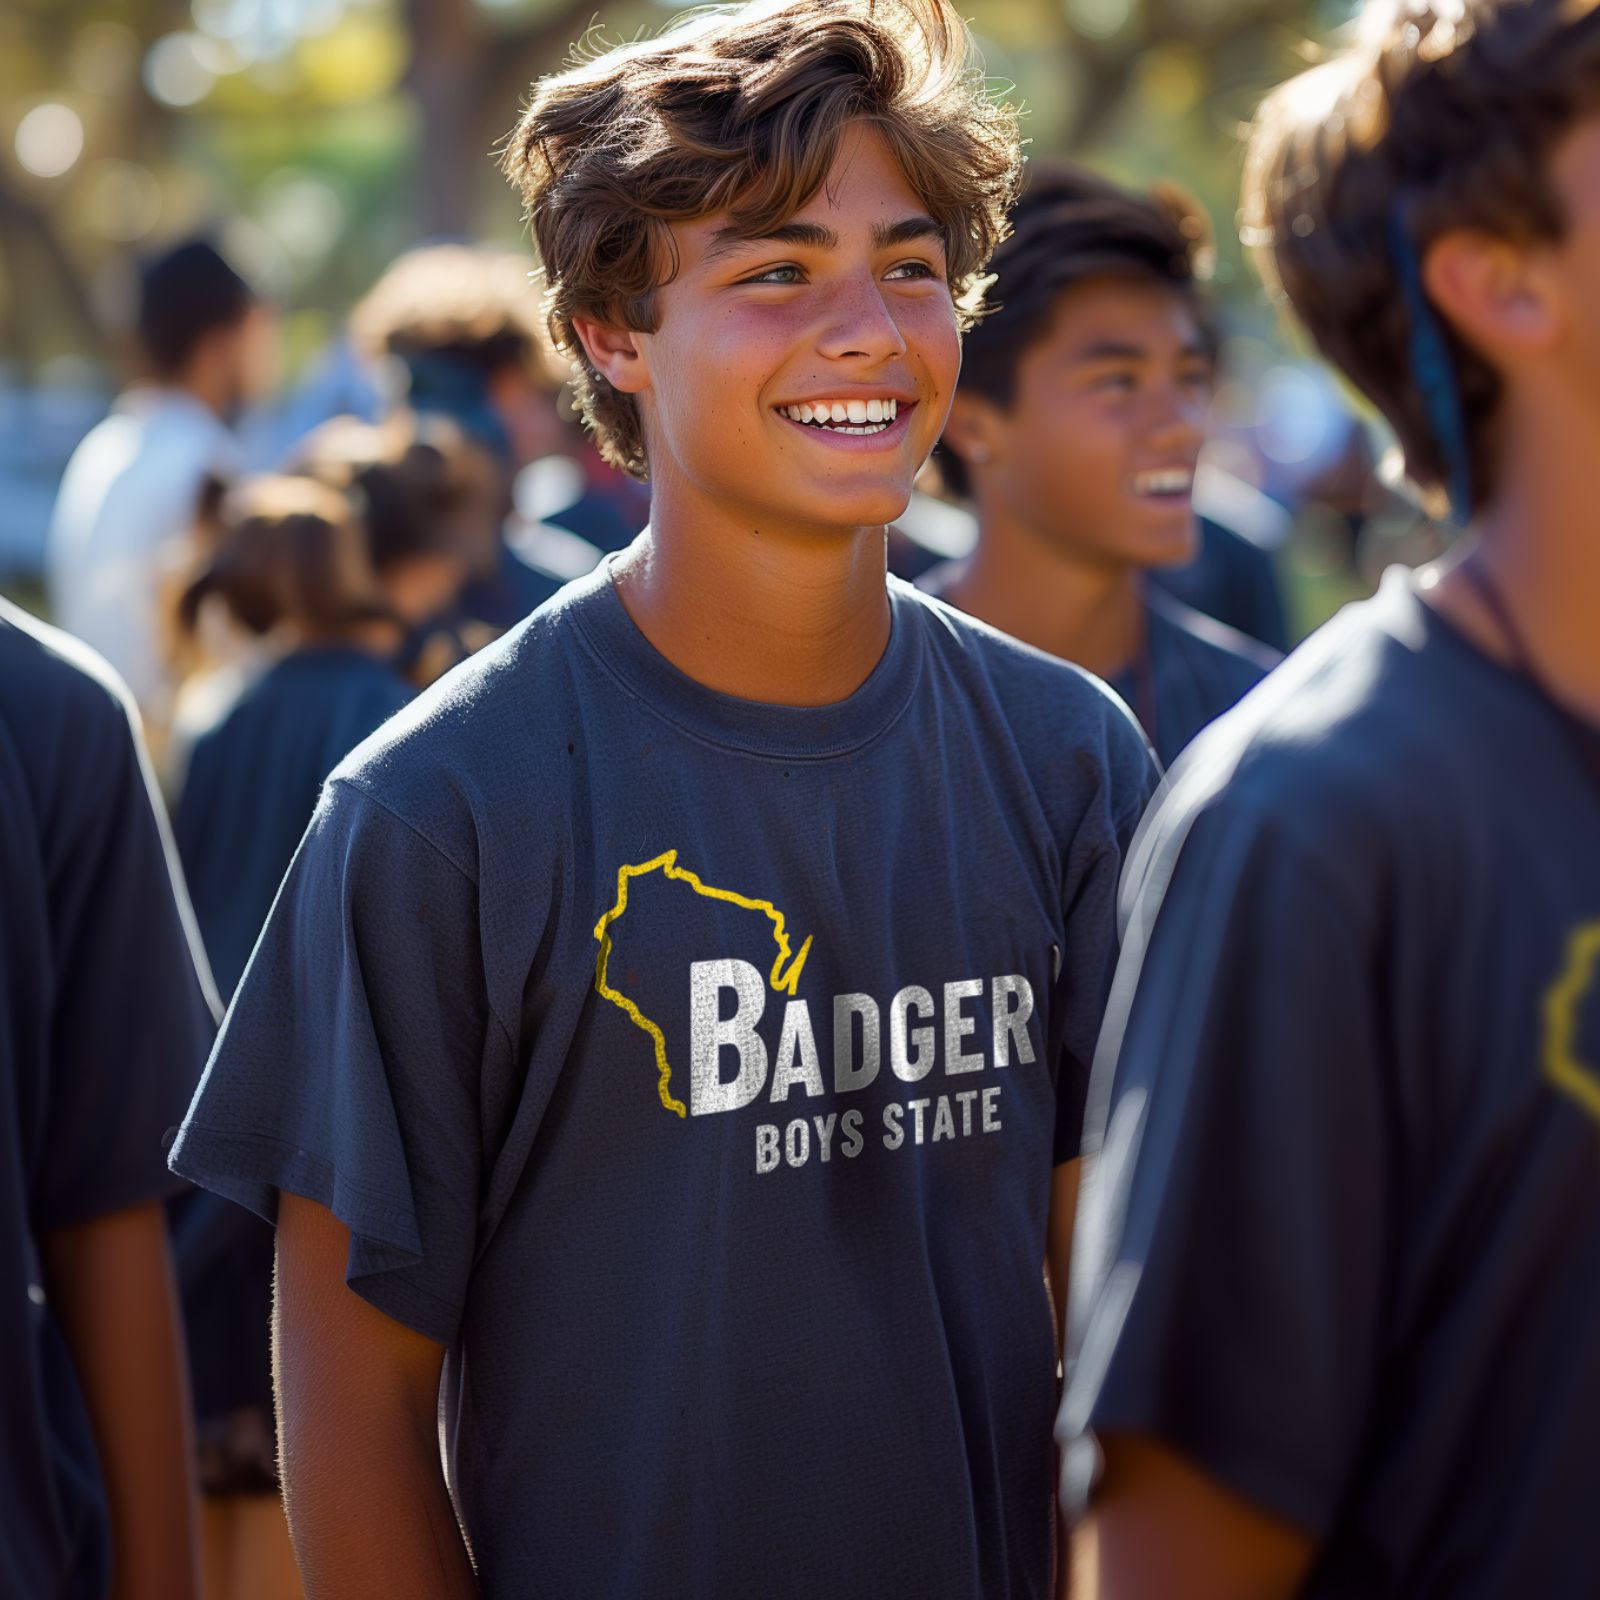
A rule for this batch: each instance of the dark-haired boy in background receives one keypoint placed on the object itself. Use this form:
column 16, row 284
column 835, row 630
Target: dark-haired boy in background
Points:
column 1075, row 432
column 1336, row 1331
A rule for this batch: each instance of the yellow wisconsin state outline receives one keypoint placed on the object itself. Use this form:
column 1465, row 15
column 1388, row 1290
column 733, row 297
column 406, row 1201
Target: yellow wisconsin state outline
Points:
column 783, row 978
column 1562, row 1064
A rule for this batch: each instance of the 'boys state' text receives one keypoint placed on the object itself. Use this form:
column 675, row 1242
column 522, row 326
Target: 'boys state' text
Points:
column 923, row 1032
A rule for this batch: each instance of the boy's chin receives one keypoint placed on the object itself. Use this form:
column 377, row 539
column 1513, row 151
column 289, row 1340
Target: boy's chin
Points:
column 850, row 510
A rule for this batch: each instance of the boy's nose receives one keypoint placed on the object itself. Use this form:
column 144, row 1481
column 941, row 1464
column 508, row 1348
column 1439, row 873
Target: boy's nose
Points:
column 1176, row 421
column 861, row 325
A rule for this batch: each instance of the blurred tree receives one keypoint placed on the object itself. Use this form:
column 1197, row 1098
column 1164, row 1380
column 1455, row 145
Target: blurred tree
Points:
column 470, row 70
column 324, row 135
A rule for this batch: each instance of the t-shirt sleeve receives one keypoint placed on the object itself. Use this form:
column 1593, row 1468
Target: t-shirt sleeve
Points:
column 349, row 1066
column 1089, row 958
column 131, row 1014
column 1232, row 1242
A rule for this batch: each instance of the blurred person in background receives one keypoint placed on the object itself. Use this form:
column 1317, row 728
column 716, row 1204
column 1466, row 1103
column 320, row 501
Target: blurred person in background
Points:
column 1075, row 431
column 1335, row 1329
column 106, row 1015
column 463, row 324
column 129, row 498
column 336, row 575
column 429, row 499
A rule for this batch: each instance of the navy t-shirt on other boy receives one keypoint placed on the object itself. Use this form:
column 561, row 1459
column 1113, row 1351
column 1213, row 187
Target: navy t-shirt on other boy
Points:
column 694, row 1070
column 1192, row 670
column 1234, row 580
column 1341, row 1245
column 249, row 791
column 105, row 1019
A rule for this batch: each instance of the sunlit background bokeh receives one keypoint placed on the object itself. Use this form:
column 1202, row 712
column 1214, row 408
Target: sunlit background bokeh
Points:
column 317, row 138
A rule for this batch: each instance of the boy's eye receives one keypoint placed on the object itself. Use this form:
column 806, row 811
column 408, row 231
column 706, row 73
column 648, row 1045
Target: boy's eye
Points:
column 913, row 270
column 787, row 273
column 1116, row 383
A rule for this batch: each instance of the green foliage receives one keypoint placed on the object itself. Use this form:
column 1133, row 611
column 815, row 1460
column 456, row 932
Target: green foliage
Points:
column 322, row 153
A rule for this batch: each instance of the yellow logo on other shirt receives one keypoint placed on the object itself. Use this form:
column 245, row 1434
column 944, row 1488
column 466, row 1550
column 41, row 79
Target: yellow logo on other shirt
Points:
column 1563, row 1003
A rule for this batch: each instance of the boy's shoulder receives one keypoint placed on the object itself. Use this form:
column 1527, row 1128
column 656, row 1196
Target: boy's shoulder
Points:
column 1346, row 749
column 500, row 729
column 1233, row 659
column 959, row 636
column 489, row 730
column 55, row 687
column 1050, row 707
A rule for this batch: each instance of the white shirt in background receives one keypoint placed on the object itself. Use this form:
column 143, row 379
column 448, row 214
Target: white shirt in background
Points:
column 122, row 527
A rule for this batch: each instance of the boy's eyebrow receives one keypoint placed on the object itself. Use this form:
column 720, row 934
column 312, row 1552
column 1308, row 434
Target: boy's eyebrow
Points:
column 1116, row 350
column 813, row 235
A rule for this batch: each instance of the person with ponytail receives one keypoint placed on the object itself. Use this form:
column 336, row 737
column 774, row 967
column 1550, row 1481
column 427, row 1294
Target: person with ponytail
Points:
column 292, row 566
column 426, row 496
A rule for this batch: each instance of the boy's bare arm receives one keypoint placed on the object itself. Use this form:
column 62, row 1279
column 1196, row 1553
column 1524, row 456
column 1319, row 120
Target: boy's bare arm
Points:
column 110, row 1284
column 1058, row 1267
column 358, row 1424
column 1160, row 1526
column 1058, row 1235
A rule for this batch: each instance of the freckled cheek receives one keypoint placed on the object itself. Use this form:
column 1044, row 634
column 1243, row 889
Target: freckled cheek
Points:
column 754, row 343
column 722, row 368
column 933, row 341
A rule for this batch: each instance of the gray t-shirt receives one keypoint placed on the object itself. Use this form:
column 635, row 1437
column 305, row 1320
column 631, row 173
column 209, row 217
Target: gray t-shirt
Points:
column 695, row 1071
column 1341, row 1241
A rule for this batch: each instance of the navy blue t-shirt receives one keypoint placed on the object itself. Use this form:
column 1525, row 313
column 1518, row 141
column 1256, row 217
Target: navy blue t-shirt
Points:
column 694, row 1069
column 249, row 791
column 1232, row 579
column 1341, row 1246
column 105, row 1019
column 1197, row 667
column 252, row 783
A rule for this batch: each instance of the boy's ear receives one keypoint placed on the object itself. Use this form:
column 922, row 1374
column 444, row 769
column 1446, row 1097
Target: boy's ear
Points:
column 971, row 429
column 616, row 354
column 1497, row 295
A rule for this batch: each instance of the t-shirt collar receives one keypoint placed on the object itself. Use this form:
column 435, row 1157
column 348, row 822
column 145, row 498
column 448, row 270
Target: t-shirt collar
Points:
column 780, row 732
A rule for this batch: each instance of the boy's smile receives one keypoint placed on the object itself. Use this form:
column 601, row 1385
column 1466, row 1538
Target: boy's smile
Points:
column 850, row 416
column 799, row 380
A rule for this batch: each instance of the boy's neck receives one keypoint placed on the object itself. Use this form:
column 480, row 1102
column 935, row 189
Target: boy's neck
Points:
column 1539, row 544
column 1088, row 612
column 795, row 617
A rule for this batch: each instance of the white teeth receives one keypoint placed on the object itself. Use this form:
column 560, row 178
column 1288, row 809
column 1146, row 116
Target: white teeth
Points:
column 846, row 416
column 1175, row 480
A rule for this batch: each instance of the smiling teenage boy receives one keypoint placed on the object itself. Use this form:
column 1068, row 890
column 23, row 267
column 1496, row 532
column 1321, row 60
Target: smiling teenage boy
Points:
column 1338, row 1326
column 673, row 1027
column 1075, row 432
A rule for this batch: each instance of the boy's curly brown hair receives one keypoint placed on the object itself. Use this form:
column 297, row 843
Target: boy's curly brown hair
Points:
column 1442, row 114
column 740, row 109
